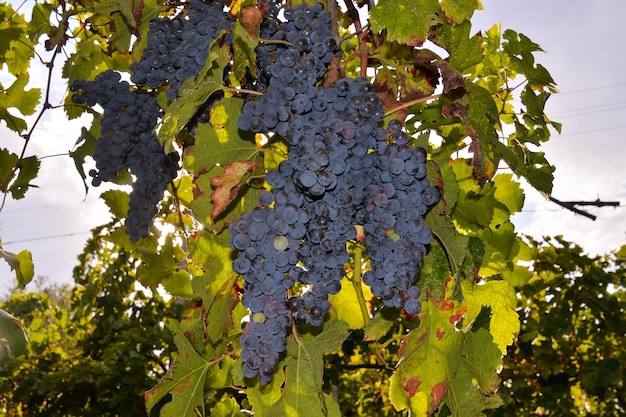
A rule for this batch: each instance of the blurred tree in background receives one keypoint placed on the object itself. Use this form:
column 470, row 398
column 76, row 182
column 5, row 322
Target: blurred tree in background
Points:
column 95, row 348
column 570, row 354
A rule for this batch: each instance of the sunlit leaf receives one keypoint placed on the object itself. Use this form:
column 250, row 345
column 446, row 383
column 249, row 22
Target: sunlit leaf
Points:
column 500, row 296
column 346, row 303
column 459, row 10
column 406, row 21
column 21, row 263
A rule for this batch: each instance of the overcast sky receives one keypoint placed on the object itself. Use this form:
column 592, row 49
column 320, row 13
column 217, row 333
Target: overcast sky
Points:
column 584, row 45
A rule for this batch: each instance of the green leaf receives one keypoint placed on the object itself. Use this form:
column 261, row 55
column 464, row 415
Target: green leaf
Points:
column 346, row 303
column 458, row 11
column 21, row 263
column 117, row 201
column 261, row 397
column 17, row 97
column 454, row 243
column 475, row 204
column 127, row 10
column 219, row 299
column 379, row 325
column 520, row 49
column 193, row 93
column 16, row 50
column 509, row 193
column 503, row 250
column 85, row 146
column 302, row 394
column 449, row 185
column 435, row 270
column 86, row 62
column 192, row 326
column 518, row 43
column 475, row 383
column 184, row 381
column 406, row 22
column 465, row 50
column 177, row 283
column 500, row 296
column 163, row 266
column 120, row 38
column 228, row 407
column 26, row 170
column 219, row 142
column 212, row 254
column 244, row 48
column 40, row 21
column 12, row 28
column 13, row 341
column 7, row 164
column 481, row 121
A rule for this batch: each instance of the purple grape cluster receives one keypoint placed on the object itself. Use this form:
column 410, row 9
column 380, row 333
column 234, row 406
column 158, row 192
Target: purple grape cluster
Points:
column 128, row 141
column 336, row 175
column 308, row 30
column 178, row 48
column 392, row 217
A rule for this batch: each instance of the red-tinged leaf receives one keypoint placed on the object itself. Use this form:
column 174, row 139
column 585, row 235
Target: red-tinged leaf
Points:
column 428, row 359
column 192, row 325
column 218, row 144
column 446, row 361
column 229, row 183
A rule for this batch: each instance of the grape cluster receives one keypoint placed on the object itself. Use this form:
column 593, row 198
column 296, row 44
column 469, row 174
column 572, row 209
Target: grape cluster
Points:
column 308, row 29
column 392, row 218
column 178, row 48
column 338, row 173
column 128, row 141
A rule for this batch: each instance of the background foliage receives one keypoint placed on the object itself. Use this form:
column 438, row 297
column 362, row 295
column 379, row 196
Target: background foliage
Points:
column 475, row 101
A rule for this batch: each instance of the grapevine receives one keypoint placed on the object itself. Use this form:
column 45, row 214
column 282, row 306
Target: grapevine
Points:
column 326, row 242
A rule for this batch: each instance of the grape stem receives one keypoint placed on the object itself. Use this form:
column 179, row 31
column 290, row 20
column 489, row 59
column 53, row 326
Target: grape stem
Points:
column 242, row 91
column 412, row 102
column 356, row 282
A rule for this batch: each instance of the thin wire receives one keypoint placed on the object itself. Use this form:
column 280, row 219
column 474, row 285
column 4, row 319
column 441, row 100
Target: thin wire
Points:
column 34, row 239
column 585, row 132
column 602, row 87
column 590, row 109
column 42, row 208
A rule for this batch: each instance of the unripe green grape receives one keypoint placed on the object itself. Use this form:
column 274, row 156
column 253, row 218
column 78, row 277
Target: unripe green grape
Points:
column 281, row 243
